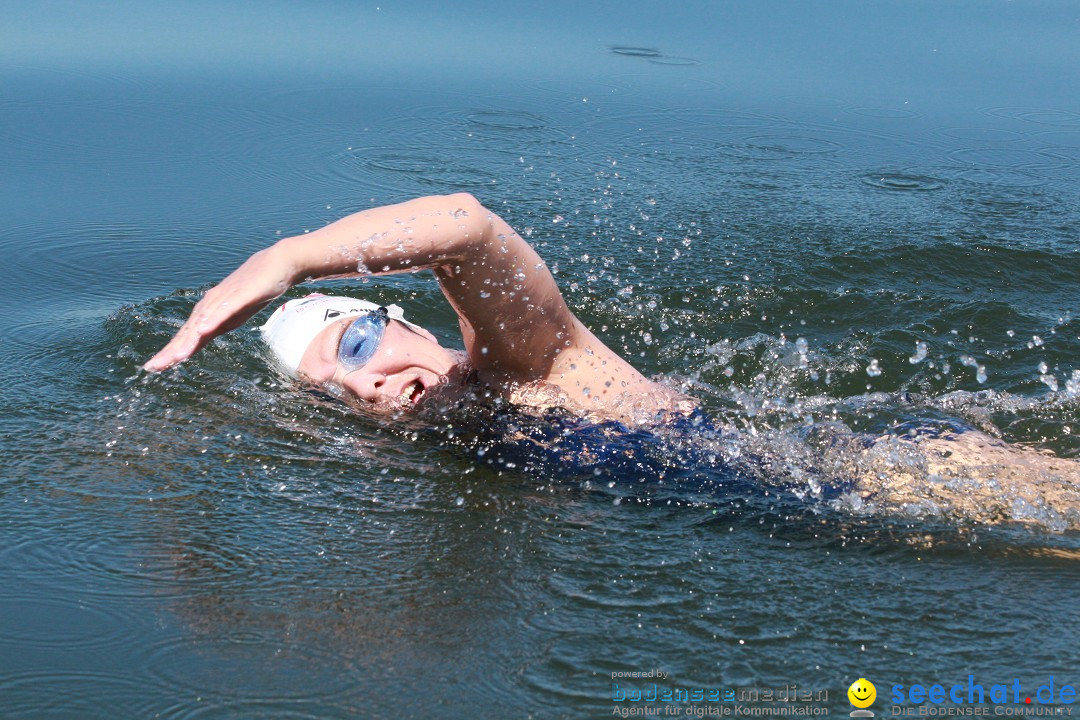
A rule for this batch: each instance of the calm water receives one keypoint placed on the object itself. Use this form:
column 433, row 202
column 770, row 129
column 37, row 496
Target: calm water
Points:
column 758, row 202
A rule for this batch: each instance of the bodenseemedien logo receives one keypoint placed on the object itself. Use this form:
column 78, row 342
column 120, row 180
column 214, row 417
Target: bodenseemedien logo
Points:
column 862, row 694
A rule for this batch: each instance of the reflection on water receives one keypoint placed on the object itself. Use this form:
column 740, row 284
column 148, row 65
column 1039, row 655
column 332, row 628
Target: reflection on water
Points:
column 822, row 247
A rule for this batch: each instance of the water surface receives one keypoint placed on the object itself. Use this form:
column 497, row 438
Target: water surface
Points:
column 757, row 202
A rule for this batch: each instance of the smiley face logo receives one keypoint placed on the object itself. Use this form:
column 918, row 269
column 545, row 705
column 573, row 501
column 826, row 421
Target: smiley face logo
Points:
column 862, row 693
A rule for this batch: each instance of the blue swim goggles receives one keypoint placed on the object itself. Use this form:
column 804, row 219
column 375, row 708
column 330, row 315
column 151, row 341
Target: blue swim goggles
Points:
column 361, row 339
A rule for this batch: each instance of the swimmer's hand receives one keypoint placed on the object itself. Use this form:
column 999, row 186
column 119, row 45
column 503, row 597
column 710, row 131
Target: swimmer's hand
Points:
column 263, row 277
column 377, row 238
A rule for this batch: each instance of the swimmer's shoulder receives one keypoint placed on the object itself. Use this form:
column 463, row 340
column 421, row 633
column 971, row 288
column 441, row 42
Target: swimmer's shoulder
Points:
column 646, row 405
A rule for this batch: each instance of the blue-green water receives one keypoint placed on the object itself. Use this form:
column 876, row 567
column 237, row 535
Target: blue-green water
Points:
column 754, row 201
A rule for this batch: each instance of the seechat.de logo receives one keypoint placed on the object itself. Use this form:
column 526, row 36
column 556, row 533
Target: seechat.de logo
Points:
column 862, row 694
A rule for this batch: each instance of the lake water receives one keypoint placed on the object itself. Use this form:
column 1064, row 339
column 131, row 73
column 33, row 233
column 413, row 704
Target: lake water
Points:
column 769, row 204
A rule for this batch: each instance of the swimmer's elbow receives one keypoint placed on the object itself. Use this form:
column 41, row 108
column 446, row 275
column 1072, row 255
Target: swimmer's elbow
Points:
column 462, row 199
column 476, row 222
column 465, row 206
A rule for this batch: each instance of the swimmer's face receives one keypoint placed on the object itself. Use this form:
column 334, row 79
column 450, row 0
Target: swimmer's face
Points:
column 406, row 366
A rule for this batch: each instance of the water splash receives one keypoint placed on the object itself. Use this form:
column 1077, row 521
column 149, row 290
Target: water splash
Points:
column 980, row 370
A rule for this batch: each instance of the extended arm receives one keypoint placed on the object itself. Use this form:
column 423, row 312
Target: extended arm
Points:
column 512, row 315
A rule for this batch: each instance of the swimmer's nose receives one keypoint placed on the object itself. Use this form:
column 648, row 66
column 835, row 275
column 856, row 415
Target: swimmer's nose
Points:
column 366, row 386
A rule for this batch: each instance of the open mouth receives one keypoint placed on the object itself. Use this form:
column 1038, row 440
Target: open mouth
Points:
column 413, row 392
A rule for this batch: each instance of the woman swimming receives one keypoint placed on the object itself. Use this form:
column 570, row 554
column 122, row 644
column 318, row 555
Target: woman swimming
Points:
column 522, row 342
column 525, row 347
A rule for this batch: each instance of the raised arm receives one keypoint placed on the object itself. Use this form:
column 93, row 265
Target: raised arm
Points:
column 512, row 315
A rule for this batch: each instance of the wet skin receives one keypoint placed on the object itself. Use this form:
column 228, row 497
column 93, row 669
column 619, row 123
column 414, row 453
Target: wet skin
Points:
column 519, row 335
column 406, row 366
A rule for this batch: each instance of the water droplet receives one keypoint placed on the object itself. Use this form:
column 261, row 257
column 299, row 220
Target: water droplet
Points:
column 1072, row 386
column 460, row 501
column 873, row 370
column 920, row 353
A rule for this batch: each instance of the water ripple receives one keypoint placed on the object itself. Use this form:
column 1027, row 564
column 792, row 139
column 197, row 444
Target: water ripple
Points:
column 977, row 134
column 222, row 666
column 408, row 168
column 99, row 567
column 76, row 255
column 50, row 620
column 506, row 119
column 723, row 118
column 76, row 694
column 578, row 91
column 885, row 113
column 1009, row 158
column 1063, row 138
column 1003, row 177
column 903, row 182
column 653, row 55
column 673, row 60
column 341, row 107
column 38, row 332
column 292, row 709
column 812, row 100
column 509, row 131
column 1038, row 116
column 780, row 147
column 631, row 51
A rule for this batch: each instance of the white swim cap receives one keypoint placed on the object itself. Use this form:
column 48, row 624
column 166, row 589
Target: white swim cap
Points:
column 295, row 324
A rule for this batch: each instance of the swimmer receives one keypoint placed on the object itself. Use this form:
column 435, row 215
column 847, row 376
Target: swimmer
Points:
column 524, row 346
column 522, row 343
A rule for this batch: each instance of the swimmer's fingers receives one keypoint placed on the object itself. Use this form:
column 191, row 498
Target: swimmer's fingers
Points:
column 210, row 318
column 224, row 307
column 183, row 345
